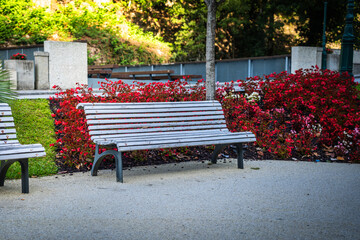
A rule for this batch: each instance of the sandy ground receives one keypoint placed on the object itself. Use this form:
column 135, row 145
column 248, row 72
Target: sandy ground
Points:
column 193, row 200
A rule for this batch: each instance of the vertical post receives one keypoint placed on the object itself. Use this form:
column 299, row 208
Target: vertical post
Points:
column 287, row 64
column 346, row 56
column 324, row 55
column 181, row 69
column 249, row 68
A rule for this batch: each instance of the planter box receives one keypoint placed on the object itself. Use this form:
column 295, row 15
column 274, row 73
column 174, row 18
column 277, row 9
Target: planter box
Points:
column 24, row 73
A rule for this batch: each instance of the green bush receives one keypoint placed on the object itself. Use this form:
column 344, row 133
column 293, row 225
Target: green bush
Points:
column 34, row 124
column 21, row 22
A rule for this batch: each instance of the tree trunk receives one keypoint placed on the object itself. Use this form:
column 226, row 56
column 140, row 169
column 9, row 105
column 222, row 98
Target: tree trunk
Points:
column 210, row 49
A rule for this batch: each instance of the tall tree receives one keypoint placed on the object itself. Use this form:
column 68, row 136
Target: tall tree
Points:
column 210, row 47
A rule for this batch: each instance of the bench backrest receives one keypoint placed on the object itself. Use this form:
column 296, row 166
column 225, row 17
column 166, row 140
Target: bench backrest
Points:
column 7, row 126
column 117, row 120
column 109, row 66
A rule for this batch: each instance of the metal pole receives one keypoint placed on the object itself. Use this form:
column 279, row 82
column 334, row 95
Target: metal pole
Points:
column 324, row 55
column 347, row 44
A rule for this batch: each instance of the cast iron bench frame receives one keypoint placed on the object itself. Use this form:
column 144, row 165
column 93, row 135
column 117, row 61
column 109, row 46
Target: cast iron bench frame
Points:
column 140, row 126
column 11, row 150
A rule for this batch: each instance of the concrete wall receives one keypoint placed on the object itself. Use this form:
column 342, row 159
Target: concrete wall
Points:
column 25, row 78
column 306, row 57
column 67, row 63
column 42, row 70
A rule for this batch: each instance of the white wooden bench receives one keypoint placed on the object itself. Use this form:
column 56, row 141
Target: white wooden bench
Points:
column 11, row 150
column 139, row 126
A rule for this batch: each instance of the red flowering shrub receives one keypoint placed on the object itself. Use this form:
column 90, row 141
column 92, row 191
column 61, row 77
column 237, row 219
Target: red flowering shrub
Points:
column 19, row 56
column 306, row 114
column 305, row 111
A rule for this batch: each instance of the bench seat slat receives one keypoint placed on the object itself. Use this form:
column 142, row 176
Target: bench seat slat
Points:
column 146, row 105
column 184, row 144
column 157, row 130
column 22, row 156
column 154, row 115
column 177, row 134
column 6, row 124
column 154, row 125
column 4, row 108
column 156, row 110
column 9, row 136
column 13, row 148
column 179, row 139
column 5, row 113
column 6, row 119
column 147, row 120
column 11, row 130
column 9, row 142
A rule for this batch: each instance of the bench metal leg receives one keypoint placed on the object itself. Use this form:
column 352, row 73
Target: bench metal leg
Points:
column 24, row 175
column 217, row 150
column 240, row 156
column 119, row 168
column 100, row 157
column 24, row 163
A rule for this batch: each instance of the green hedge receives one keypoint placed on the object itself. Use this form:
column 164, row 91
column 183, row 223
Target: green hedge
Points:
column 34, row 124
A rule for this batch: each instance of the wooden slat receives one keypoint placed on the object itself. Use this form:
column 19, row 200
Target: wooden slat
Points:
column 182, row 138
column 22, row 156
column 10, row 136
column 184, row 144
column 145, row 107
column 6, row 124
column 5, row 113
column 92, row 106
column 155, row 115
column 103, row 66
column 13, row 149
column 99, row 71
column 9, row 142
column 124, row 77
column 158, row 110
column 6, row 119
column 6, row 131
column 162, row 134
column 163, row 129
column 5, row 108
column 150, row 120
column 154, row 125
column 145, row 72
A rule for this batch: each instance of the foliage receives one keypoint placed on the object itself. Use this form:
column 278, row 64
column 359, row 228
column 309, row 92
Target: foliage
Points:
column 6, row 92
column 24, row 23
column 244, row 28
column 34, row 125
column 307, row 16
column 301, row 115
column 19, row 56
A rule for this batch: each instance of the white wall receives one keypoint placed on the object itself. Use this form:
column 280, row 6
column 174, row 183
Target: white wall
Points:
column 67, row 63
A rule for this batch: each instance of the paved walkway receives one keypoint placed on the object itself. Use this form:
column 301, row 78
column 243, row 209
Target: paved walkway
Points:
column 266, row 200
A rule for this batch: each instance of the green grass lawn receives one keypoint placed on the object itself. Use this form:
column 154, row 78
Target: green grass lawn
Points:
column 34, row 124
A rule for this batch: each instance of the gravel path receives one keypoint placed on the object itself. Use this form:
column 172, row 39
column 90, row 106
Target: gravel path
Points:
column 193, row 200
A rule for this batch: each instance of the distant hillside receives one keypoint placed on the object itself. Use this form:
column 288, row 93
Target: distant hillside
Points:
column 111, row 38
